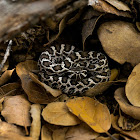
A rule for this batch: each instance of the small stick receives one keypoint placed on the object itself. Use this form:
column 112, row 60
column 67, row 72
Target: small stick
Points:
column 7, row 53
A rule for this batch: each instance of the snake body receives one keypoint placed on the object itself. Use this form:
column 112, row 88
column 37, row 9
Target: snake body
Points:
column 74, row 72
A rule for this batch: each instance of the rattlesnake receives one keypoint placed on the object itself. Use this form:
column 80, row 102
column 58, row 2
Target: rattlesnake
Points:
column 74, row 72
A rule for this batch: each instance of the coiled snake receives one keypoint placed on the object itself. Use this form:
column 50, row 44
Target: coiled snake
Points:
column 74, row 72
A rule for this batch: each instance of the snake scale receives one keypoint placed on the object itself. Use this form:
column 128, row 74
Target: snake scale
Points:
column 73, row 71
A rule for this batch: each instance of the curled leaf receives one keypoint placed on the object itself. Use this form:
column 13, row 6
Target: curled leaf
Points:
column 54, row 92
column 125, row 106
column 6, row 76
column 132, row 87
column 35, row 92
column 36, row 123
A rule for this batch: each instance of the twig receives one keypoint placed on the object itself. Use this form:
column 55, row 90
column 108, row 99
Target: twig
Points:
column 7, row 53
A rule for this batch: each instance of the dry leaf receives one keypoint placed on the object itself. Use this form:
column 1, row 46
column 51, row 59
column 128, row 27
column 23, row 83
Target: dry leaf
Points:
column 125, row 106
column 124, row 122
column 62, row 25
column 54, row 92
column 1, row 105
column 95, row 114
column 103, row 6
column 10, row 89
column 45, row 133
column 36, row 121
column 120, row 40
column 81, row 132
column 6, row 127
column 16, row 110
column 89, row 22
column 101, row 87
column 117, row 136
column 88, row 27
column 59, row 134
column 132, row 87
column 119, row 5
column 98, row 89
column 35, row 92
column 57, row 113
column 13, row 136
column 6, row 76
column 135, row 134
column 114, row 74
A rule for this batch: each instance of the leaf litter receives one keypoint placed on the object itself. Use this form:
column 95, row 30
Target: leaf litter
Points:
column 33, row 110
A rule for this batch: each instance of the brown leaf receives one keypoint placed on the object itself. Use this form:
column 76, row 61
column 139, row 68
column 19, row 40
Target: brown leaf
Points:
column 117, row 38
column 90, row 19
column 36, row 121
column 54, row 92
column 101, row 87
column 10, row 89
column 103, row 6
column 125, row 106
column 81, row 132
column 35, row 92
column 13, row 136
column 132, row 87
column 117, row 136
column 6, row 127
column 59, row 134
column 62, row 25
column 135, row 134
column 88, row 27
column 45, row 133
column 57, row 113
column 92, row 112
column 16, row 110
column 6, row 76
column 119, row 5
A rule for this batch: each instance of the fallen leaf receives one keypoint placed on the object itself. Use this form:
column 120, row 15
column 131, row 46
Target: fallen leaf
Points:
column 6, row 127
column 98, row 89
column 125, row 123
column 90, row 19
column 16, row 110
column 114, row 74
column 135, row 134
column 125, row 106
column 54, row 92
column 132, row 87
column 36, row 121
column 103, row 86
column 10, row 89
column 117, row 39
column 119, row 5
column 36, row 93
column 6, row 76
column 59, row 134
column 117, row 136
column 62, row 26
column 57, row 113
column 1, row 105
column 45, row 133
column 81, row 132
column 13, row 136
column 92, row 112
column 103, row 6
column 88, row 27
